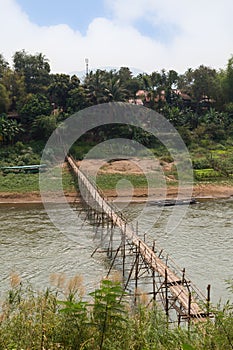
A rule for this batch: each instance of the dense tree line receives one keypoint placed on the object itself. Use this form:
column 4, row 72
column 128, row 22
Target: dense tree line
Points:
column 199, row 100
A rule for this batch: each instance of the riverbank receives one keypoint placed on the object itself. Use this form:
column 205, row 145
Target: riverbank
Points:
column 18, row 188
column 200, row 191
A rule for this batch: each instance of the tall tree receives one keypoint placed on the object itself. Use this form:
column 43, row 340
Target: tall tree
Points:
column 4, row 65
column 185, row 81
column 4, row 99
column 59, row 88
column 95, row 84
column 125, row 74
column 115, row 89
column 228, row 81
column 35, row 105
column 76, row 100
column 34, row 68
column 15, row 85
column 202, row 85
column 128, row 82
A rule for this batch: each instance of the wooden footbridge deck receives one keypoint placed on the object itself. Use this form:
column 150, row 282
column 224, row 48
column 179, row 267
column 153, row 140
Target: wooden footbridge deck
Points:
column 177, row 293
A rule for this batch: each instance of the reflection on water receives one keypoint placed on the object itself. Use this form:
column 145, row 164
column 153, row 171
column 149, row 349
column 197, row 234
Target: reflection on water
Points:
column 33, row 248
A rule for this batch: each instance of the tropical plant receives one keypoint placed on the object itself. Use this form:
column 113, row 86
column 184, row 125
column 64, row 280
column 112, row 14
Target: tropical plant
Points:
column 95, row 84
column 109, row 314
column 114, row 87
column 9, row 129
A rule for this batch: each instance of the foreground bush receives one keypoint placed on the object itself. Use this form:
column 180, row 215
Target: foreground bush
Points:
column 43, row 321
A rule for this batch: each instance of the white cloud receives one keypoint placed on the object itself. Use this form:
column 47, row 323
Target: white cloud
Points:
column 129, row 10
column 203, row 35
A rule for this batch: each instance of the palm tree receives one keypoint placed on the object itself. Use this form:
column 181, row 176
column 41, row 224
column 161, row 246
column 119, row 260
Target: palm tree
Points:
column 96, row 86
column 114, row 88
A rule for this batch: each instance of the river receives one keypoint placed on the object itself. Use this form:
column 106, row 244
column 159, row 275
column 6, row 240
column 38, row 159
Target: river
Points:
column 34, row 249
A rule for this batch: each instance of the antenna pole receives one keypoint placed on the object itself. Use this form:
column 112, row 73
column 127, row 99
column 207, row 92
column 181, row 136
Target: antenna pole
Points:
column 87, row 68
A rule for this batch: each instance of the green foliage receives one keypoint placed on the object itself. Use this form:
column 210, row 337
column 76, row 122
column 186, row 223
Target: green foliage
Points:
column 43, row 126
column 228, row 81
column 4, row 99
column 58, row 90
column 33, row 319
column 187, row 101
column 198, row 103
column 76, row 100
column 55, row 320
column 201, row 163
column 19, row 154
column 34, row 106
column 19, row 183
column 34, row 68
column 229, row 108
column 75, row 322
column 80, row 148
column 174, row 114
column 109, row 181
column 108, row 314
column 4, row 65
column 9, row 129
column 26, row 183
column 204, row 84
column 187, row 347
column 205, row 174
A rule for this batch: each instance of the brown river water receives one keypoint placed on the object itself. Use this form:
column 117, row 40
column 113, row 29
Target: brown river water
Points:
column 32, row 247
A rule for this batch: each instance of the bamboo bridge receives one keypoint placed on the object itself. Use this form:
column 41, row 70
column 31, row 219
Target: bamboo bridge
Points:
column 145, row 270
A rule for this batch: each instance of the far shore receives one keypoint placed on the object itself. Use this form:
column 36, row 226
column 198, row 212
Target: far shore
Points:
column 200, row 191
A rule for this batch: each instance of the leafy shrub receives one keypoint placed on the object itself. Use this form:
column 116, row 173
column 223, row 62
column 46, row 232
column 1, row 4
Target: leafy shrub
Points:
column 19, row 154
column 205, row 174
column 43, row 126
column 201, row 163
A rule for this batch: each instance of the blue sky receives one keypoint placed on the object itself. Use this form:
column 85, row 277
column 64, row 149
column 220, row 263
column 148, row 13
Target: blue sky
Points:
column 79, row 14
column 76, row 13
column 145, row 34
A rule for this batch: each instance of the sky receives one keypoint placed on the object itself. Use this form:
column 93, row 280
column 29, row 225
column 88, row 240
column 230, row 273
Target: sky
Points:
column 147, row 35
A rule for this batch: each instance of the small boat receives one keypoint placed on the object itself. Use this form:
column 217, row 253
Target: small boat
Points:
column 24, row 169
column 172, row 202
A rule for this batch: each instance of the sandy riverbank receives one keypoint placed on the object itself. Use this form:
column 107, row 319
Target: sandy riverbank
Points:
column 211, row 191
column 134, row 166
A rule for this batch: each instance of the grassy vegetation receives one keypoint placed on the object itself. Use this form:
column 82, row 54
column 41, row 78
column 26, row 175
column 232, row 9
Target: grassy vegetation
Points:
column 214, row 164
column 25, row 183
column 79, row 149
column 206, row 174
column 21, row 154
column 19, row 183
column 62, row 319
column 109, row 181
